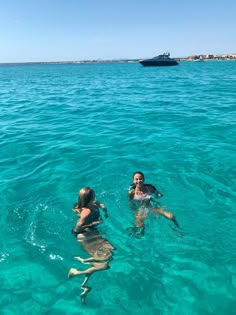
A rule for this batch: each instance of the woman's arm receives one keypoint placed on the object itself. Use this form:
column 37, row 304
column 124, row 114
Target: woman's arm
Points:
column 80, row 223
column 131, row 199
column 76, row 208
column 103, row 207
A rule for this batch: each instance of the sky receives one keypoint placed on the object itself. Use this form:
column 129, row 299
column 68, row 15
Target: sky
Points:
column 74, row 30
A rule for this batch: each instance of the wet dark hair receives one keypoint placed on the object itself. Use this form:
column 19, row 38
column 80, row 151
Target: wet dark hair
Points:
column 140, row 173
column 85, row 196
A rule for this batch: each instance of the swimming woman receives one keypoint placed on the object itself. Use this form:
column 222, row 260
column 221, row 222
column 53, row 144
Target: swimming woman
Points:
column 90, row 238
column 140, row 198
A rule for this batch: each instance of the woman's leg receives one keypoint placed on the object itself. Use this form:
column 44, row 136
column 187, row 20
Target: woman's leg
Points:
column 85, row 289
column 98, row 256
column 167, row 215
column 95, row 267
column 85, row 260
column 101, row 254
column 139, row 219
column 138, row 229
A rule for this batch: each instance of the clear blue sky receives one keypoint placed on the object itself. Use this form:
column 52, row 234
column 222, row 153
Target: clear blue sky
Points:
column 60, row 30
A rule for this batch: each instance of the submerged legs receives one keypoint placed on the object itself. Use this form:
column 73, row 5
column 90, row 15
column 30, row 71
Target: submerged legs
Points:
column 101, row 254
column 85, row 289
column 87, row 272
column 167, row 215
column 90, row 270
column 137, row 230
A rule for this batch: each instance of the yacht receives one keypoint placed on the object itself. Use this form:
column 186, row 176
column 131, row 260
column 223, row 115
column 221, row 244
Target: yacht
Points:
column 160, row 60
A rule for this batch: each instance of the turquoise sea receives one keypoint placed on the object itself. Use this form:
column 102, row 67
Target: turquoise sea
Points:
column 64, row 127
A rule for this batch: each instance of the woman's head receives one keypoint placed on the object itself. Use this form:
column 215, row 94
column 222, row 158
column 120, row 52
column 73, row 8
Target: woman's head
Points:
column 86, row 195
column 138, row 179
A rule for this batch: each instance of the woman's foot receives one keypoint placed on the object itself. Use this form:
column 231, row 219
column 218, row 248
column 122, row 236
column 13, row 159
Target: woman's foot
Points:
column 136, row 231
column 84, row 293
column 85, row 261
column 74, row 272
column 80, row 259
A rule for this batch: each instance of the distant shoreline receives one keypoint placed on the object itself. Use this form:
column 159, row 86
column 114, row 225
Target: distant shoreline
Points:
column 190, row 58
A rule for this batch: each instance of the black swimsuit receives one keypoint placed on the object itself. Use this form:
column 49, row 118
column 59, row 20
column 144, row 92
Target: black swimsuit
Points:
column 93, row 216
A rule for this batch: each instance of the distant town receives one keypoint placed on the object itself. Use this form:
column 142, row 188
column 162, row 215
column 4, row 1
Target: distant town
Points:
column 96, row 61
column 208, row 57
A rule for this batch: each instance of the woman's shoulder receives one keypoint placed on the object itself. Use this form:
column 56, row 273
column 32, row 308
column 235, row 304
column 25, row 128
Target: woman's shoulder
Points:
column 151, row 188
column 85, row 212
column 131, row 193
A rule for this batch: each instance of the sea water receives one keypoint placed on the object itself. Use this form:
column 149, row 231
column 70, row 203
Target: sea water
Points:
column 64, row 127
